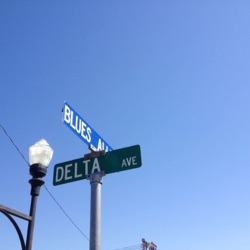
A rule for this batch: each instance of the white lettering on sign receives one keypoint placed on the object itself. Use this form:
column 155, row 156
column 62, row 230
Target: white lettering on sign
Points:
column 94, row 168
column 86, row 167
column 127, row 162
column 59, row 174
column 101, row 146
column 72, row 171
column 67, row 173
column 76, row 172
column 77, row 124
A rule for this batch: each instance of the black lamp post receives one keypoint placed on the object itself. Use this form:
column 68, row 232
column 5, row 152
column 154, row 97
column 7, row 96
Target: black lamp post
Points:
column 40, row 155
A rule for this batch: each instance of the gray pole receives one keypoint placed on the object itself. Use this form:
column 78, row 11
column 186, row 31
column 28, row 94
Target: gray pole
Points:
column 95, row 180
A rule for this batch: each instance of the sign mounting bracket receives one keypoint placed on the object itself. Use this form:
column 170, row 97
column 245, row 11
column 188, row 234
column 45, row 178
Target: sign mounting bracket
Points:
column 94, row 153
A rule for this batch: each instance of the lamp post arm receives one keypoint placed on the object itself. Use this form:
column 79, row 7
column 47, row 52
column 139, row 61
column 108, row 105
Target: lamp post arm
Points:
column 15, row 225
column 15, row 213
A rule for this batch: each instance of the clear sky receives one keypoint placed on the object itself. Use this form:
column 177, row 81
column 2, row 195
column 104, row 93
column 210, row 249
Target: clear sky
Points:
column 171, row 76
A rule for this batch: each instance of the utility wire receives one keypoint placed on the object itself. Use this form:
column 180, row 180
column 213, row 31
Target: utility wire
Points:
column 6, row 133
column 66, row 213
column 134, row 247
column 13, row 143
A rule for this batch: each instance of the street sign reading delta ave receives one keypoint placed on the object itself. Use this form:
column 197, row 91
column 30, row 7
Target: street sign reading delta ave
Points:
column 82, row 129
column 111, row 162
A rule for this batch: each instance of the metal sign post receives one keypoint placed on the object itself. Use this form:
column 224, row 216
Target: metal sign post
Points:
column 95, row 210
column 93, row 167
column 102, row 160
column 95, row 180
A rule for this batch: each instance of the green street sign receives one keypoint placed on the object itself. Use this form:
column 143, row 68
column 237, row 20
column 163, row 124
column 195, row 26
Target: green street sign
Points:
column 111, row 162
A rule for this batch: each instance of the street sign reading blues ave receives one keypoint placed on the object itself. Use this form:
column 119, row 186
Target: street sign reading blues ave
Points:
column 82, row 129
column 111, row 162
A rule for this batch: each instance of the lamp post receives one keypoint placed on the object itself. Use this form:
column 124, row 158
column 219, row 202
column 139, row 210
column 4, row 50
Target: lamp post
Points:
column 40, row 155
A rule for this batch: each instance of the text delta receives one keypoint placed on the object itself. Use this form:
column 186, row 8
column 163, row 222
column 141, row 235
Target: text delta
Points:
column 74, row 171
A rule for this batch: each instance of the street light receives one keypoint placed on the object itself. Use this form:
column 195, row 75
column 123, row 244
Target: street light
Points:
column 40, row 155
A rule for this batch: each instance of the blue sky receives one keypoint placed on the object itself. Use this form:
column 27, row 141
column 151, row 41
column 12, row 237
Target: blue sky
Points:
column 171, row 76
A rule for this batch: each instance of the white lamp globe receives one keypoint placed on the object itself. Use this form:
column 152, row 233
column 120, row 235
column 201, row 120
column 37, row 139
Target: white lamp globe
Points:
column 40, row 153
